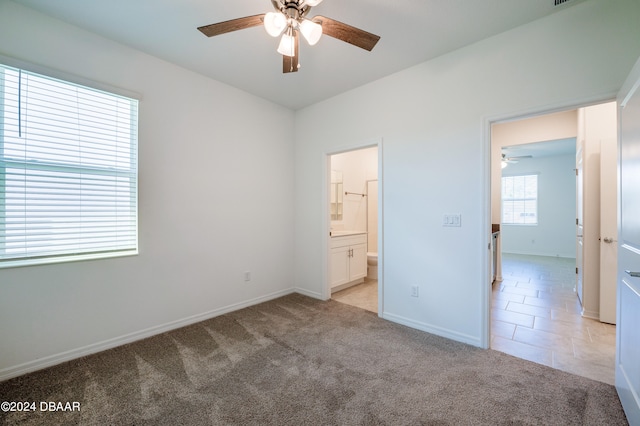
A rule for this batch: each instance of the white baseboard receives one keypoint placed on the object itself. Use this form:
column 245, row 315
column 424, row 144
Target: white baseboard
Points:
column 595, row 315
column 439, row 331
column 49, row 361
column 306, row 292
column 536, row 254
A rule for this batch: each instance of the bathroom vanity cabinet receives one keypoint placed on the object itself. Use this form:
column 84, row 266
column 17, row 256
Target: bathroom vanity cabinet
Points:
column 348, row 260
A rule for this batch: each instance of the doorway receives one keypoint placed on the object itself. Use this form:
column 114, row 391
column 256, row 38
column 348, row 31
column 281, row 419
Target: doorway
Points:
column 354, row 251
column 535, row 310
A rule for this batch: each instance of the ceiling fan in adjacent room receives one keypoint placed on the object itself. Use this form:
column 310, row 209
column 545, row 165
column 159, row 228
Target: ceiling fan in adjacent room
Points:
column 512, row 160
column 290, row 20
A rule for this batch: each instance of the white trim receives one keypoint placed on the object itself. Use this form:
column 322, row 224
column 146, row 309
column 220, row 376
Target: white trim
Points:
column 485, row 237
column 313, row 294
column 59, row 358
column 67, row 258
column 439, row 331
column 524, row 253
column 325, row 291
column 594, row 315
column 380, row 228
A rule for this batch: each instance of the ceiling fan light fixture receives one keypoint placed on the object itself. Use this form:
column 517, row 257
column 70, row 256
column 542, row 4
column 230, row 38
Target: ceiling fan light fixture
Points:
column 312, row 3
column 287, row 45
column 275, row 23
column 311, row 31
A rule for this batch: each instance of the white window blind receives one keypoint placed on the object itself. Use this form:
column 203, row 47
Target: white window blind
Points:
column 520, row 200
column 68, row 170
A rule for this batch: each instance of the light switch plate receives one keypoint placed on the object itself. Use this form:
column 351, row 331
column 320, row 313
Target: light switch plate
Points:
column 452, row 220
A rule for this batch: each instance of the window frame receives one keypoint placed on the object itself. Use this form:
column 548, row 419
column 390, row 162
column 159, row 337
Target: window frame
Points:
column 523, row 199
column 29, row 165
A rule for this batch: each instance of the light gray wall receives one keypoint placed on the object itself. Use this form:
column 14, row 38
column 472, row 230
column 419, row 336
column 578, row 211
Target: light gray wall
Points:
column 554, row 235
column 215, row 184
column 546, row 127
column 215, row 193
column 434, row 120
column 356, row 167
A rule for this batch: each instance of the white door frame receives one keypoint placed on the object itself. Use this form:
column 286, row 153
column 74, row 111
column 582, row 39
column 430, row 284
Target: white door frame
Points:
column 569, row 104
column 326, row 227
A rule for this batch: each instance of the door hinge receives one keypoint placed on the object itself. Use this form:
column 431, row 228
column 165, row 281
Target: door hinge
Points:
column 576, row 221
column 576, row 269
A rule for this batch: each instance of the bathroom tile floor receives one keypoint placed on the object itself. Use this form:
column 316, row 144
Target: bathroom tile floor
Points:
column 535, row 315
column 363, row 295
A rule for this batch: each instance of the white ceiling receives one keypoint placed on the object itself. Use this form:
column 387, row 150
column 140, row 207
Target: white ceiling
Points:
column 411, row 31
column 542, row 149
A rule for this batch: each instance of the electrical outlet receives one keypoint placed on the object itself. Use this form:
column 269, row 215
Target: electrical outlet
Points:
column 247, row 276
column 414, row 290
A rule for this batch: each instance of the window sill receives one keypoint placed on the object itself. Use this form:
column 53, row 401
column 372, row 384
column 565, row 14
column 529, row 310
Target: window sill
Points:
column 65, row 259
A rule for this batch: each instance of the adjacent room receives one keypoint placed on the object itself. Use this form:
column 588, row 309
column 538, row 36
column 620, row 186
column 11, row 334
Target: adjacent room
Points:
column 170, row 224
column 549, row 304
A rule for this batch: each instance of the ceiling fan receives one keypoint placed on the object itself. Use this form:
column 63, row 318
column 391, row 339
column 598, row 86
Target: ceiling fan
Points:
column 290, row 20
column 512, row 160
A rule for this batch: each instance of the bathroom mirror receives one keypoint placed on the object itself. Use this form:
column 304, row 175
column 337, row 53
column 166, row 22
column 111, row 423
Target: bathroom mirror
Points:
column 336, row 195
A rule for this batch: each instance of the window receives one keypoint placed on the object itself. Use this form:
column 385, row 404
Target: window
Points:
column 68, row 170
column 520, row 200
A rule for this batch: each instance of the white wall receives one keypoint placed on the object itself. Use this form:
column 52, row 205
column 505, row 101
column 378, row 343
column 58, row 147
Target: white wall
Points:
column 433, row 119
column 547, row 127
column 554, row 235
column 215, row 195
column 357, row 167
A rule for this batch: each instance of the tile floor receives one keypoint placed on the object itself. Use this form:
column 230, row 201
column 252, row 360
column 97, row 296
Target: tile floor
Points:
column 535, row 315
column 363, row 295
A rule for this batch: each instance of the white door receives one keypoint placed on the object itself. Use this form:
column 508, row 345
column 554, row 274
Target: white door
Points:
column 628, row 303
column 579, row 216
column 608, row 228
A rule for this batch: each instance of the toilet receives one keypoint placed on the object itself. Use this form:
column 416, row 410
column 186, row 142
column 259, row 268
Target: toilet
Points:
column 372, row 265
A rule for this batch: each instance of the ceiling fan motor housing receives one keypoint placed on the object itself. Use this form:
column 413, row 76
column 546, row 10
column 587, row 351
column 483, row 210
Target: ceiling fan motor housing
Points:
column 293, row 9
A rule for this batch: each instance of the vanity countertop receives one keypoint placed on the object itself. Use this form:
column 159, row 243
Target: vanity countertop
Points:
column 345, row 233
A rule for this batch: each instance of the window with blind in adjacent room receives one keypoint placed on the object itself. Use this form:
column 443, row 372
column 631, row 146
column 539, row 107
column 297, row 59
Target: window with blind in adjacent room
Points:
column 520, row 200
column 68, row 170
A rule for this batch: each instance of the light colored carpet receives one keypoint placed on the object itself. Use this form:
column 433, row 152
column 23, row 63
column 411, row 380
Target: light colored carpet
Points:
column 299, row 361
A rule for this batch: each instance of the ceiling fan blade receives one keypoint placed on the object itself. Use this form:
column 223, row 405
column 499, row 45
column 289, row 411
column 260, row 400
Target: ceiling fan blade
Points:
column 291, row 63
column 232, row 25
column 344, row 32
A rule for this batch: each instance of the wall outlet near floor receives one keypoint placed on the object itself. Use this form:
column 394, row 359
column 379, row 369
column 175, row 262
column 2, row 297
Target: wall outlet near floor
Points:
column 247, row 275
column 414, row 291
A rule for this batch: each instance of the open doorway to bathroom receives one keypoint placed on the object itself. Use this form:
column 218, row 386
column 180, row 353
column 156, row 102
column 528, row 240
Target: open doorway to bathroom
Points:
column 353, row 212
